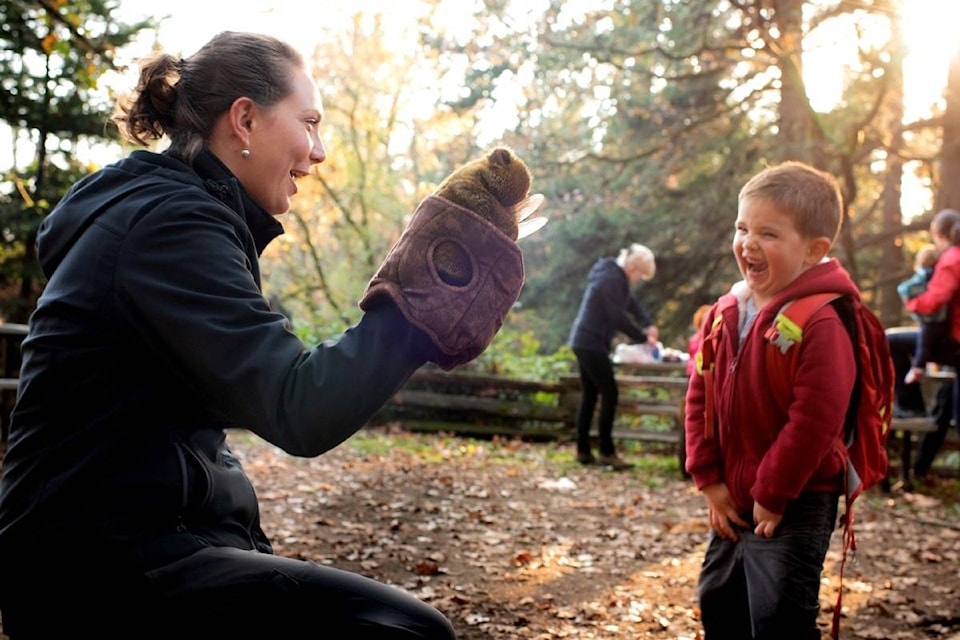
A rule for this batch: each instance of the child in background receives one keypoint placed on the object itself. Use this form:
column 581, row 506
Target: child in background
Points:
column 769, row 473
column 693, row 344
column 933, row 327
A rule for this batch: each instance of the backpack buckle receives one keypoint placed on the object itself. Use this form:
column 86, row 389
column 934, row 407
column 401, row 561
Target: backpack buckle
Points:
column 784, row 333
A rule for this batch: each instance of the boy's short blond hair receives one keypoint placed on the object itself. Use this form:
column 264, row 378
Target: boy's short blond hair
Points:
column 642, row 257
column 812, row 197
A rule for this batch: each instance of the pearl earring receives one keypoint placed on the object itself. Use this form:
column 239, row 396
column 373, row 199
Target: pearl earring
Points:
column 245, row 154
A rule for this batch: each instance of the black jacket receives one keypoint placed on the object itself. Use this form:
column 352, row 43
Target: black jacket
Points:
column 607, row 307
column 150, row 339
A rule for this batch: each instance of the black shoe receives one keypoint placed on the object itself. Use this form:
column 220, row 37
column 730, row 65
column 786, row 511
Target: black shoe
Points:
column 615, row 461
column 585, row 457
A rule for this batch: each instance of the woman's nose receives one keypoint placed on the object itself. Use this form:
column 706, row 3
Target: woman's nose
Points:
column 318, row 153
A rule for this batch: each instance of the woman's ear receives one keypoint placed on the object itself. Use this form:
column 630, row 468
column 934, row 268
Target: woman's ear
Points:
column 241, row 113
column 817, row 250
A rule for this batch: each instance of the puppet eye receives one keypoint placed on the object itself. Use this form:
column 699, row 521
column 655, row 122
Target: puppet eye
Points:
column 453, row 264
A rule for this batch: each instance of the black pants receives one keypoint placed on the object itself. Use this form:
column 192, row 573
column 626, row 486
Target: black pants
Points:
column 217, row 592
column 596, row 379
column 910, row 399
column 903, row 345
column 768, row 588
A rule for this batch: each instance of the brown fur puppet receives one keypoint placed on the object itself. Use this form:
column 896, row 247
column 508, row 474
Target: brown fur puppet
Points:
column 495, row 187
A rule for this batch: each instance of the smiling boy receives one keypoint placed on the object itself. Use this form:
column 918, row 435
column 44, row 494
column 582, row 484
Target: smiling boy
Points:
column 767, row 473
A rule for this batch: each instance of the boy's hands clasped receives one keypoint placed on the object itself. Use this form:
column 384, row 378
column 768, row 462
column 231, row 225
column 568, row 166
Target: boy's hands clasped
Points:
column 724, row 517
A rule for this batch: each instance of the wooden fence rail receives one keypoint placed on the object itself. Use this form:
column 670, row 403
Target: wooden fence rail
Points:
column 650, row 408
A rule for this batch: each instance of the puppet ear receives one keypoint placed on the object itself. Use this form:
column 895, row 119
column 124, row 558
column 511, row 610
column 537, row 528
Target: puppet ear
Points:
column 524, row 209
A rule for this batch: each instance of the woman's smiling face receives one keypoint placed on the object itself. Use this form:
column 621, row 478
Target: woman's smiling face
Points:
column 769, row 250
column 284, row 144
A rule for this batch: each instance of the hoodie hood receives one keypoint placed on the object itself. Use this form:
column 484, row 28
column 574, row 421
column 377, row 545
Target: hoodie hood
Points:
column 122, row 193
column 604, row 269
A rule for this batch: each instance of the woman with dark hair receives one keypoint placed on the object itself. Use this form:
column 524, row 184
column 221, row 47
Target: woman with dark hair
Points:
column 123, row 513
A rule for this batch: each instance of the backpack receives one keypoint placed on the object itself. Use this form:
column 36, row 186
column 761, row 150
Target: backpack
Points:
column 867, row 424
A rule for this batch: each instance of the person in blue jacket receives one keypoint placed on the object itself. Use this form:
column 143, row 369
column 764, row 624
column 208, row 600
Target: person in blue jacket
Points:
column 123, row 512
column 608, row 307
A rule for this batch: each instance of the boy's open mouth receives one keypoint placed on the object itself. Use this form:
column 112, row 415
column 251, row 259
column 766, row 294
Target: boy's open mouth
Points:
column 756, row 267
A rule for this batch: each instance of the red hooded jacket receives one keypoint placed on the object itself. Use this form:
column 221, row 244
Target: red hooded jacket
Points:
column 762, row 451
column 942, row 290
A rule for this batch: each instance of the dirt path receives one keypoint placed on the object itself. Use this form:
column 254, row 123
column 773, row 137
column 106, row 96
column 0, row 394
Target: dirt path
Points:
column 513, row 540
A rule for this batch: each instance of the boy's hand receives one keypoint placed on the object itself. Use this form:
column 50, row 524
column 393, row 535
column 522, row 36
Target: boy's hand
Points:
column 723, row 513
column 767, row 521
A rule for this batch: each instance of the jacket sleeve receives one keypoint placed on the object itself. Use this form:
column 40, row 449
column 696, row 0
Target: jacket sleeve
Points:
column 943, row 286
column 188, row 289
column 636, row 319
column 822, row 384
column 704, row 461
column 911, row 287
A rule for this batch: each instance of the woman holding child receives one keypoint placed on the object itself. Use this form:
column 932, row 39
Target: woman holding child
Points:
column 942, row 292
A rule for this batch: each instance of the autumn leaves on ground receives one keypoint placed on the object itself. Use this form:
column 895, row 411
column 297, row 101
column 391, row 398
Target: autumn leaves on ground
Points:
column 514, row 540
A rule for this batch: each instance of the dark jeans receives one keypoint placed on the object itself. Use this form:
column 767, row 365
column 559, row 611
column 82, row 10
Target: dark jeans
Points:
column 596, row 379
column 903, row 345
column 931, row 336
column 909, row 399
column 945, row 415
column 768, row 588
column 217, row 592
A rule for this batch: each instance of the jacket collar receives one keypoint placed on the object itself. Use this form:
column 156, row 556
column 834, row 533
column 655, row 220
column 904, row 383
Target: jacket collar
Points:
column 220, row 182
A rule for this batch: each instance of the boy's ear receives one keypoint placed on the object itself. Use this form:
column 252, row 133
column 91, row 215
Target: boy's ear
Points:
column 817, row 249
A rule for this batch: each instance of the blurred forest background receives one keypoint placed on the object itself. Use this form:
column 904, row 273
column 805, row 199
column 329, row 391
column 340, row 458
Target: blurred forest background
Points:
column 640, row 120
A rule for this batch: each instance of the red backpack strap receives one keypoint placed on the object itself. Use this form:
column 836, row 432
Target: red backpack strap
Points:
column 706, row 358
column 785, row 332
column 706, row 361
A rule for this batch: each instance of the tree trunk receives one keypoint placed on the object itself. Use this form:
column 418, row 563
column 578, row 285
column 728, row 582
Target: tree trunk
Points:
column 797, row 130
column 948, row 195
column 887, row 303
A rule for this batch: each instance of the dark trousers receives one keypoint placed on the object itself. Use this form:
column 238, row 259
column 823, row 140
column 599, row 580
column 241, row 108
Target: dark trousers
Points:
column 903, row 345
column 596, row 380
column 768, row 588
column 945, row 415
column 217, row 592
column 931, row 335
